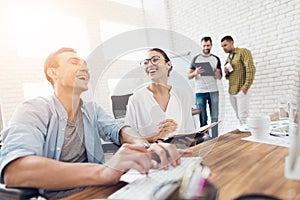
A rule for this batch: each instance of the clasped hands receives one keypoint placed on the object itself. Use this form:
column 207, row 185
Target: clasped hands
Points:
column 165, row 130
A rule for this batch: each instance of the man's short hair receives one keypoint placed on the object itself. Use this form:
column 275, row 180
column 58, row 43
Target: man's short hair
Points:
column 228, row 38
column 206, row 38
column 52, row 62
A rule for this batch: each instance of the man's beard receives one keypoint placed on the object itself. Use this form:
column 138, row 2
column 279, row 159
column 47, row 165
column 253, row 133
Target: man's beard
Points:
column 207, row 51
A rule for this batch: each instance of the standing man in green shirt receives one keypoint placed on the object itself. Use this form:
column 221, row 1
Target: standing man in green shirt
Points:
column 240, row 71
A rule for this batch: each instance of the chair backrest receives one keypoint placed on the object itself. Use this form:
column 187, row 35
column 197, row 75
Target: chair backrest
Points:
column 119, row 103
column 18, row 193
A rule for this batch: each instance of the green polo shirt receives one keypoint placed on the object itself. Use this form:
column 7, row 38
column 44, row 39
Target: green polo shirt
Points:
column 243, row 70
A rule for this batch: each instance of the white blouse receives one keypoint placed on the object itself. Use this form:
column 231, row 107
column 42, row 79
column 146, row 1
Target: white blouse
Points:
column 144, row 113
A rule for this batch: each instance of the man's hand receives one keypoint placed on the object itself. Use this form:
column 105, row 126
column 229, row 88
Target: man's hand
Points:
column 130, row 156
column 226, row 70
column 199, row 70
column 244, row 90
column 137, row 157
column 195, row 72
column 167, row 153
column 218, row 74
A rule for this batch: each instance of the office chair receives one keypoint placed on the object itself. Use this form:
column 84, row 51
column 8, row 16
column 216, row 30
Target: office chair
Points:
column 119, row 103
column 18, row 193
column 197, row 111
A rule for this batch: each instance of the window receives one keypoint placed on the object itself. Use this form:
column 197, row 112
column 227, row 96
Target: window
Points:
column 39, row 31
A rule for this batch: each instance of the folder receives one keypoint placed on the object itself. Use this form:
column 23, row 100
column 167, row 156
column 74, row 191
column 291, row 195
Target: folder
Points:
column 193, row 135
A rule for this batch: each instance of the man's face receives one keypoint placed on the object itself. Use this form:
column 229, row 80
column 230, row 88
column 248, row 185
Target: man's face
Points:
column 72, row 72
column 206, row 47
column 227, row 46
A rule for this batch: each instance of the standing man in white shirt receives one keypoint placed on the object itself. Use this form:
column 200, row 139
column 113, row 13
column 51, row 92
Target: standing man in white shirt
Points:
column 206, row 88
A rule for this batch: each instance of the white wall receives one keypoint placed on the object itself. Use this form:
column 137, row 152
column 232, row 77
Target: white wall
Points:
column 270, row 29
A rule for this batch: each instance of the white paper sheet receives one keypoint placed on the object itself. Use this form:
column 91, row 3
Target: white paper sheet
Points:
column 283, row 141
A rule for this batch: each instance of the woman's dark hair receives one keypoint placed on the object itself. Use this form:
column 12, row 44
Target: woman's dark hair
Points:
column 167, row 59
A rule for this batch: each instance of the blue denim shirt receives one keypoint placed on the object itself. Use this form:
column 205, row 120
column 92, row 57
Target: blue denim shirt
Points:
column 38, row 125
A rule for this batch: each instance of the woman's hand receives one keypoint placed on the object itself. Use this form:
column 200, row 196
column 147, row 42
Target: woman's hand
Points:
column 165, row 127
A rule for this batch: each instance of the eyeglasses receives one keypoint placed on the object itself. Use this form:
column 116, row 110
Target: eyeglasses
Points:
column 154, row 61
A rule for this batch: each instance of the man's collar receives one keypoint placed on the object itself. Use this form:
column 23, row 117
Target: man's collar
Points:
column 206, row 55
column 234, row 50
column 61, row 108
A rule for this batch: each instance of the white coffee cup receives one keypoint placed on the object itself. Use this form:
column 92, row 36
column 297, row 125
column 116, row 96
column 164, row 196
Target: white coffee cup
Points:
column 259, row 126
column 229, row 67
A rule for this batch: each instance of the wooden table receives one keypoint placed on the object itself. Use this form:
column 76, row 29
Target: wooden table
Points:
column 237, row 167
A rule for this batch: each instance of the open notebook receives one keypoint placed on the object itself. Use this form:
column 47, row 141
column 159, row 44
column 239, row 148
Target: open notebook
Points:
column 193, row 135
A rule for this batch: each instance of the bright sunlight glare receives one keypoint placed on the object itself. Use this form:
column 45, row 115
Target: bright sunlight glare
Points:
column 39, row 31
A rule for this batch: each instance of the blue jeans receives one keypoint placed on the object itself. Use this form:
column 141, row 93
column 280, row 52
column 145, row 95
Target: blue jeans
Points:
column 212, row 99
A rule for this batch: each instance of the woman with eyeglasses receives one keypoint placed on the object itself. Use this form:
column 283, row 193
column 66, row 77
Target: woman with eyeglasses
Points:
column 159, row 109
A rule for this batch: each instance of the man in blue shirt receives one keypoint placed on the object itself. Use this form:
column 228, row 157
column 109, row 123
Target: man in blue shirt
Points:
column 54, row 143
